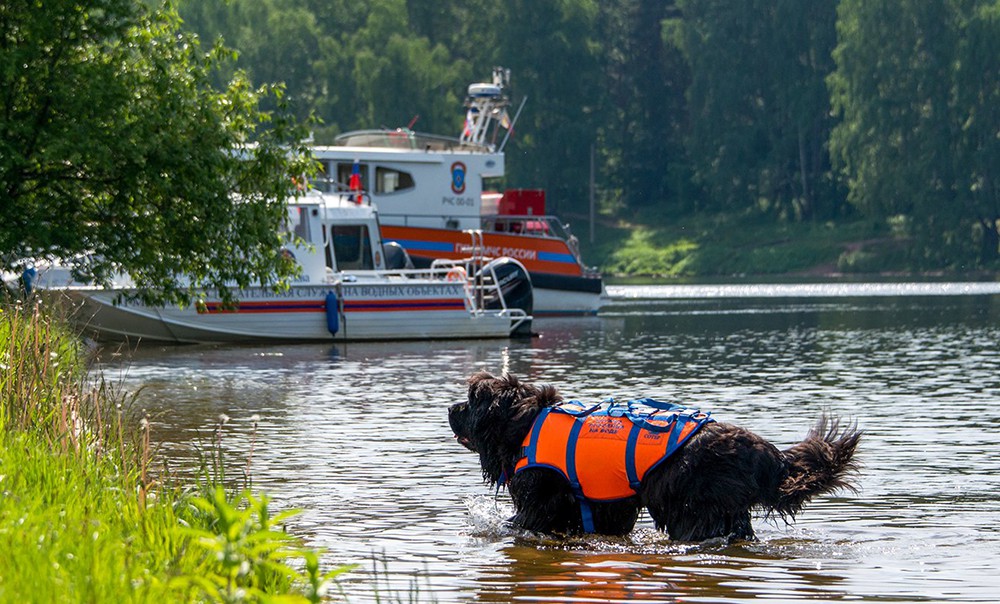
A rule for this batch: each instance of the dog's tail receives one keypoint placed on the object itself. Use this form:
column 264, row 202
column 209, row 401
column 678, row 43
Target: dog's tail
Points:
column 822, row 463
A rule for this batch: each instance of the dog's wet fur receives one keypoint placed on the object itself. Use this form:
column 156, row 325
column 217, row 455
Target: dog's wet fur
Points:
column 706, row 489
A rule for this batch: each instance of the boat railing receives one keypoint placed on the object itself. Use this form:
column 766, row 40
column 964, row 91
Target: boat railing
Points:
column 539, row 225
column 482, row 287
column 334, row 187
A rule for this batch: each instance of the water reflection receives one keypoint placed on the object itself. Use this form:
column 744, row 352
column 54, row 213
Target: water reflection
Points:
column 836, row 289
column 646, row 568
column 357, row 436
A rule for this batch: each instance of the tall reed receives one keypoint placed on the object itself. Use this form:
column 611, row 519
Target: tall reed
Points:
column 83, row 517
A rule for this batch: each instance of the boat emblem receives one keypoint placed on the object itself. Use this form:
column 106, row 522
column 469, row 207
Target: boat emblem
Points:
column 458, row 177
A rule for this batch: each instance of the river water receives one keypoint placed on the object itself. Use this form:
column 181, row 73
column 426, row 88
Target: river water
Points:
column 356, row 436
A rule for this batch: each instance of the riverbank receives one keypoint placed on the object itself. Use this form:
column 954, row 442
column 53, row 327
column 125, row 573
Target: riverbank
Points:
column 712, row 246
column 88, row 511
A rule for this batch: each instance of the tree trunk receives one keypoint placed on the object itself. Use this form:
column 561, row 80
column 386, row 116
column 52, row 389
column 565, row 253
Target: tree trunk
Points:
column 990, row 248
column 803, row 174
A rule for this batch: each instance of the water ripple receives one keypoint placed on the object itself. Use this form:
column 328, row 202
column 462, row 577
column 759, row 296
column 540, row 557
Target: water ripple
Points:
column 357, row 436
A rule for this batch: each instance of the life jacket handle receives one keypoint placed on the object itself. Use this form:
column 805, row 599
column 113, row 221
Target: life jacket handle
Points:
column 655, row 404
column 581, row 411
column 674, row 412
column 633, row 411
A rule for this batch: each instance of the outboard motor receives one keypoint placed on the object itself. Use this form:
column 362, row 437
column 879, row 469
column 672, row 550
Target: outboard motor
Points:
column 515, row 284
column 396, row 257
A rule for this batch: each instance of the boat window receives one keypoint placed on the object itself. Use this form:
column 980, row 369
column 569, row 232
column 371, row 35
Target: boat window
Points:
column 352, row 247
column 300, row 222
column 324, row 181
column 388, row 180
column 329, row 253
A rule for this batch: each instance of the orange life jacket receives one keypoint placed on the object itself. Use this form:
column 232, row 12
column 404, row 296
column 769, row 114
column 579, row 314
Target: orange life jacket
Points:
column 604, row 451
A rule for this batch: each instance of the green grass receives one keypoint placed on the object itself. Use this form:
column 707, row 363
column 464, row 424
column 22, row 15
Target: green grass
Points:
column 727, row 245
column 83, row 518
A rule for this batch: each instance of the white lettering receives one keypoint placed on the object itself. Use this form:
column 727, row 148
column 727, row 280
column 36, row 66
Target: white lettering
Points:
column 369, row 292
column 495, row 251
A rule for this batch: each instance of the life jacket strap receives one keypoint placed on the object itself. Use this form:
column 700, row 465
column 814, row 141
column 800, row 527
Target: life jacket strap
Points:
column 630, row 470
column 531, row 450
column 586, row 514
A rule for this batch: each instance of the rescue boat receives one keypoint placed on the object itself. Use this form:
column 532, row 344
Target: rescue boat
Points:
column 353, row 285
column 431, row 198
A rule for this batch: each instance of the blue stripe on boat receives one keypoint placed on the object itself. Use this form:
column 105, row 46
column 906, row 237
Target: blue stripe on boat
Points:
column 556, row 257
column 430, row 246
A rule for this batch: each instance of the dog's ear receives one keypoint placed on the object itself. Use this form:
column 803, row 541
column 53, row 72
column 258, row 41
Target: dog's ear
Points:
column 480, row 376
column 537, row 399
column 549, row 396
column 483, row 388
column 509, row 381
column 496, row 389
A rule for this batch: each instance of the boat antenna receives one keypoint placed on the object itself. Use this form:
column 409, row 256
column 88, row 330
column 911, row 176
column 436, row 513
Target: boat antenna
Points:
column 513, row 122
column 486, row 104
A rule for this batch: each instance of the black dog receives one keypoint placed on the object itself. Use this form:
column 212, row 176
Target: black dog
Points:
column 706, row 489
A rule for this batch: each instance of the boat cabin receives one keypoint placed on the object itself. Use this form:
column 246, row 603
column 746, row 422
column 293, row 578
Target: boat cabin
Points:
column 434, row 186
column 339, row 235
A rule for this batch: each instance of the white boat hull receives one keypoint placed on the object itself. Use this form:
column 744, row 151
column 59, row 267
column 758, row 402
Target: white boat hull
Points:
column 400, row 312
column 560, row 302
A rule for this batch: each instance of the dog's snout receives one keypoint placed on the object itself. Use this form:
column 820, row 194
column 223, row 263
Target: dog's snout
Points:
column 455, row 413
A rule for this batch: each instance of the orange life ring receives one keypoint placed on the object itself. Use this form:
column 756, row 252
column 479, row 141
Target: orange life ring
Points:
column 456, row 274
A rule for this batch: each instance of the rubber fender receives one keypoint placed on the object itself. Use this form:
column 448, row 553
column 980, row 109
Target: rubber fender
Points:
column 332, row 313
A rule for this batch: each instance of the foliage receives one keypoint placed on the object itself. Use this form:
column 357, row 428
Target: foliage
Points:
column 916, row 87
column 117, row 155
column 642, row 254
column 643, row 109
column 83, row 518
column 692, row 106
column 736, row 245
column 244, row 550
column 760, row 111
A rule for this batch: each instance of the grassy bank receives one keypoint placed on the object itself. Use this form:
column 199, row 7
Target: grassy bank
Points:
column 727, row 245
column 83, row 514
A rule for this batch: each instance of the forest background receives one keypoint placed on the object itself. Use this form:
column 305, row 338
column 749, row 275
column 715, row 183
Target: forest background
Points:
column 729, row 136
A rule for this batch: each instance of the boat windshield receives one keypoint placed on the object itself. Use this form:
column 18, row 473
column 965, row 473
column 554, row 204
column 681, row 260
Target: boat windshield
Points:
column 350, row 246
column 402, row 138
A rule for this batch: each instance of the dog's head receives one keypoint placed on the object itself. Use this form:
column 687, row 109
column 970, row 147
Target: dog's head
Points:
column 496, row 418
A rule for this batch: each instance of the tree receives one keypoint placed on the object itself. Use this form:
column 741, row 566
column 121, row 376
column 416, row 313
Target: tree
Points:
column 551, row 50
column 916, row 86
column 759, row 107
column 647, row 80
column 402, row 77
column 977, row 98
column 467, row 28
column 351, row 64
column 117, row 155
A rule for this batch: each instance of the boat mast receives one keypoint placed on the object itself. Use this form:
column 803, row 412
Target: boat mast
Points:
column 487, row 105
